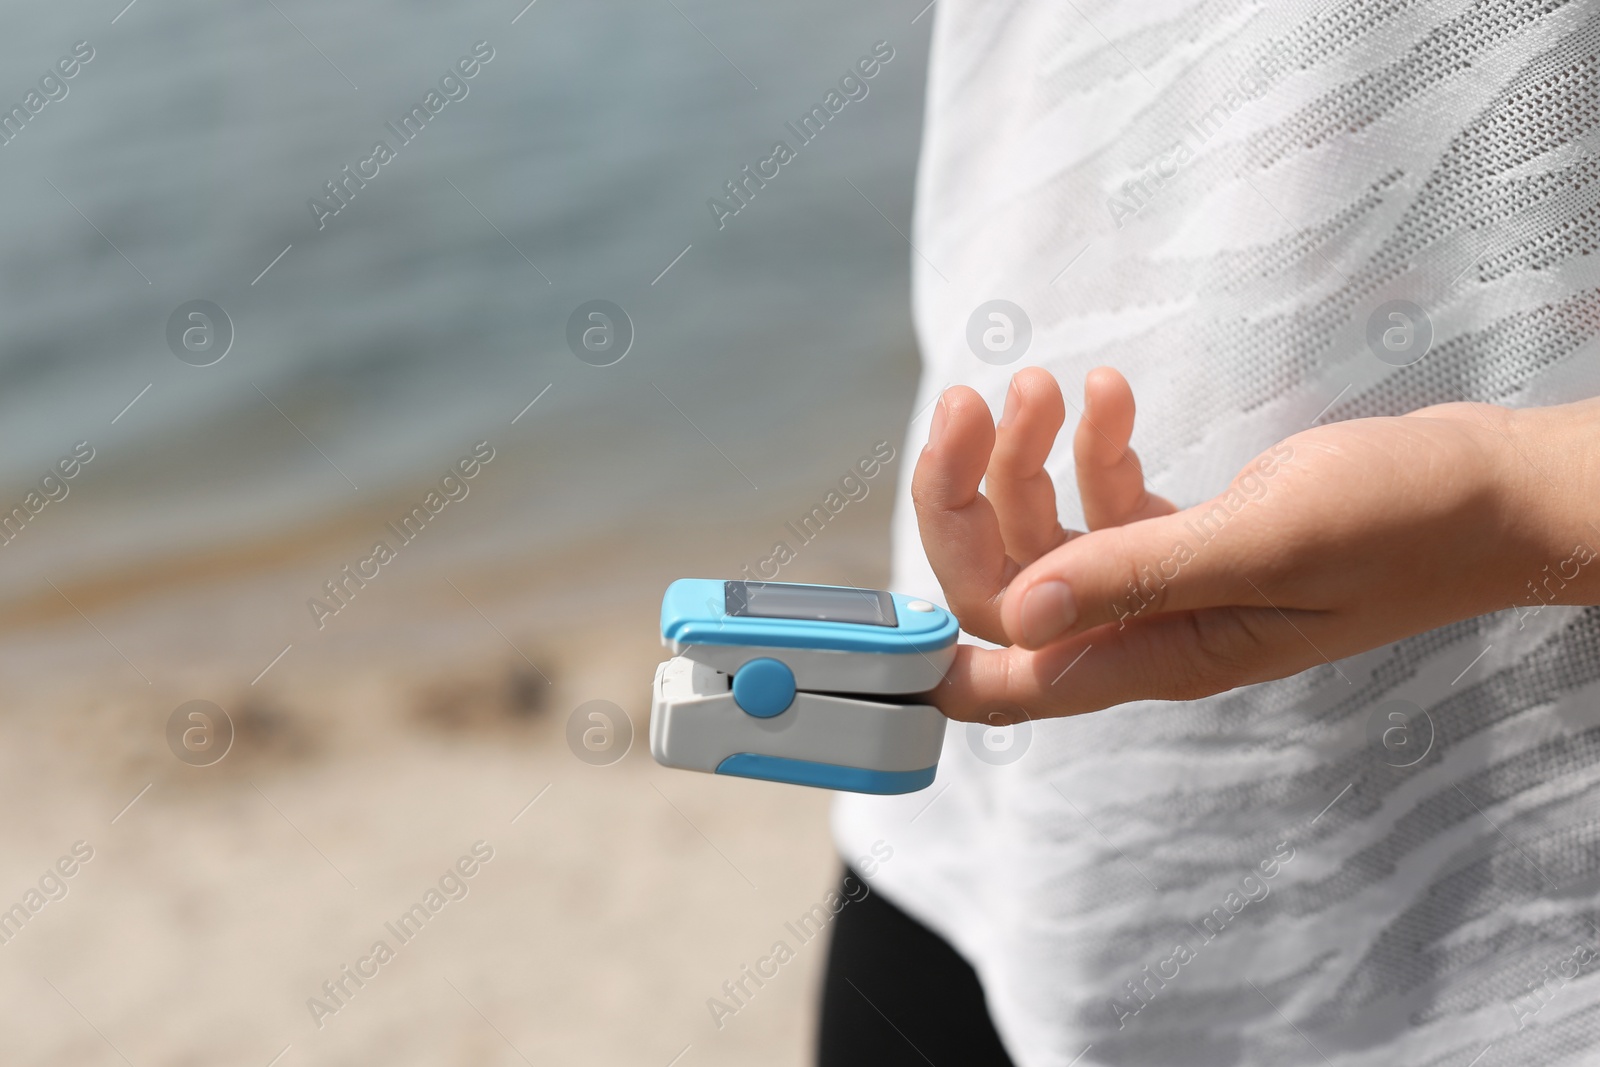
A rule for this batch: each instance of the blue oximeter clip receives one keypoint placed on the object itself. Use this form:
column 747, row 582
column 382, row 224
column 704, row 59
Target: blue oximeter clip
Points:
column 806, row 684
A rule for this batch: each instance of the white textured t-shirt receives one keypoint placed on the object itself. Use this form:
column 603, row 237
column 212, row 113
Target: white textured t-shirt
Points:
column 1232, row 202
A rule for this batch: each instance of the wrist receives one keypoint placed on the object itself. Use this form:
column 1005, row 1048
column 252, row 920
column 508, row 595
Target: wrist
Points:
column 1549, row 491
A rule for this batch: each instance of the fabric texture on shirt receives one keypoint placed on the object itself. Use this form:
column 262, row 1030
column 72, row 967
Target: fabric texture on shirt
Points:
column 1219, row 199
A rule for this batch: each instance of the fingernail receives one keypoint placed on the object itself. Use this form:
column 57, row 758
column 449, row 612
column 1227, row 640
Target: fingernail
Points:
column 1048, row 610
column 936, row 427
column 1013, row 398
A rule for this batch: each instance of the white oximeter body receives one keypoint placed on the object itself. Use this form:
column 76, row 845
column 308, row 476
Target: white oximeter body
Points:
column 806, row 684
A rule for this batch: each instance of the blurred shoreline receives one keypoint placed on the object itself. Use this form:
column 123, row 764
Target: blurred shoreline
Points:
column 447, row 642
column 374, row 743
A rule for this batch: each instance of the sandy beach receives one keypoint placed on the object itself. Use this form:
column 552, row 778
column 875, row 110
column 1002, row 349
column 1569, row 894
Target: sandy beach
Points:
column 619, row 898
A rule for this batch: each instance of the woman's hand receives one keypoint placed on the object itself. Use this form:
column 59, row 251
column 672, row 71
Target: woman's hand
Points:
column 1337, row 540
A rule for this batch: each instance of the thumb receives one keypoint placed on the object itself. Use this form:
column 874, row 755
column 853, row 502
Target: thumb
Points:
column 1185, row 561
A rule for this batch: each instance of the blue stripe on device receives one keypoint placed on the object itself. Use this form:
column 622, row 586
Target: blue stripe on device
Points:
column 693, row 612
column 825, row 775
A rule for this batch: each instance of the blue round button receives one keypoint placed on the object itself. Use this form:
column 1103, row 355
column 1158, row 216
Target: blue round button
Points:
column 764, row 687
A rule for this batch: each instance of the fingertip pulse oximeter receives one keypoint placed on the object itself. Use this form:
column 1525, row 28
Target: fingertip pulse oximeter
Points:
column 805, row 684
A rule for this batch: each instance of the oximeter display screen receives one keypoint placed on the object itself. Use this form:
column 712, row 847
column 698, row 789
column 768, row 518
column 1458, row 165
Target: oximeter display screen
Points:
column 811, row 603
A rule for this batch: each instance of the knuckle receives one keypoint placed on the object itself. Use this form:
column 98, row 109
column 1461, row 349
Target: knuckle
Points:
column 981, row 621
column 925, row 496
column 1227, row 650
column 964, row 614
column 1143, row 589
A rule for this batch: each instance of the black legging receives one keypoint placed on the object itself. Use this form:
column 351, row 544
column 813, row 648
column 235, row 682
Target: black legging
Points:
column 895, row 993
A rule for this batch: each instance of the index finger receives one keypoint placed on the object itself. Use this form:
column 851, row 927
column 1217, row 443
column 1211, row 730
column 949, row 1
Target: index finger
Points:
column 960, row 531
